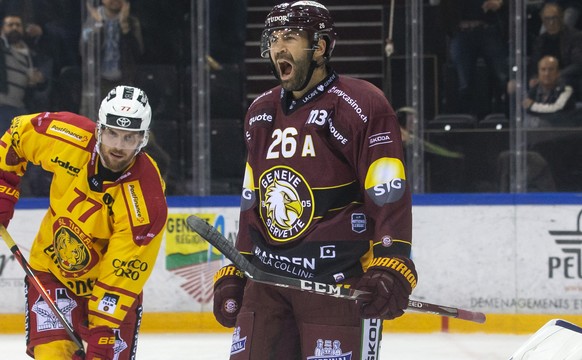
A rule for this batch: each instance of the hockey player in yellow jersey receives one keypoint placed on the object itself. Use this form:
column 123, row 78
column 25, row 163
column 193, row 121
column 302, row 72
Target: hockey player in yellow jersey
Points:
column 98, row 242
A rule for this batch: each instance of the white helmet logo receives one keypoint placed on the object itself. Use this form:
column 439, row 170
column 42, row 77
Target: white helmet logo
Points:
column 123, row 122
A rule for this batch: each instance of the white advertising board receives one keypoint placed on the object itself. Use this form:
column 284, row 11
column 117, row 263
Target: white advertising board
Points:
column 500, row 259
column 490, row 258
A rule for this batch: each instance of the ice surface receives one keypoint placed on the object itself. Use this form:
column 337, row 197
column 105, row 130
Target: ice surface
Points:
column 436, row 346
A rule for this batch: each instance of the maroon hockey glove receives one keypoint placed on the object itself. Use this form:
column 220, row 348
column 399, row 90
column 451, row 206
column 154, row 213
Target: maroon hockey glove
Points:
column 9, row 195
column 229, row 285
column 100, row 341
column 390, row 282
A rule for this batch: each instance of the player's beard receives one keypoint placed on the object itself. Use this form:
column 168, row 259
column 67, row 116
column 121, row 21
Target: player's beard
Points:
column 300, row 72
column 116, row 160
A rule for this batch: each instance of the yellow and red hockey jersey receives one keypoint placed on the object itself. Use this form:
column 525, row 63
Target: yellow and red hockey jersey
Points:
column 99, row 238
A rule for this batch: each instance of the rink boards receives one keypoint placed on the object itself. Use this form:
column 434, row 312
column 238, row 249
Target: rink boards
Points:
column 516, row 258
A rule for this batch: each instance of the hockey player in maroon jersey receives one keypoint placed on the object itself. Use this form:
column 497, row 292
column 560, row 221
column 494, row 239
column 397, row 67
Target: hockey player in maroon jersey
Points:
column 324, row 197
column 100, row 237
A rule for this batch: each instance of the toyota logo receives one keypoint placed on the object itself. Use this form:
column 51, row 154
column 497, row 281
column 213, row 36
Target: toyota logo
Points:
column 123, row 122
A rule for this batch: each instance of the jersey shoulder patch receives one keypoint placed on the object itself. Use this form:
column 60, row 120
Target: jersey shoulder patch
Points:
column 143, row 191
column 71, row 128
column 263, row 110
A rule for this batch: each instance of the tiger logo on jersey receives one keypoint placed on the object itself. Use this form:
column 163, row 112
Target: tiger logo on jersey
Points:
column 286, row 203
column 72, row 254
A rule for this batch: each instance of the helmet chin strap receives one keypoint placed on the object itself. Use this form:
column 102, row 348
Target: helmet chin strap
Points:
column 312, row 66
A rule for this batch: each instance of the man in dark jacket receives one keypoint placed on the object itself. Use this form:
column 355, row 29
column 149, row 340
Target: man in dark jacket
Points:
column 561, row 42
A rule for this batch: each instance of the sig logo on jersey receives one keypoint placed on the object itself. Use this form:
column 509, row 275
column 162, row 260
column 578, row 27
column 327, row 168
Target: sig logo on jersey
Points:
column 385, row 181
column 286, row 203
column 248, row 197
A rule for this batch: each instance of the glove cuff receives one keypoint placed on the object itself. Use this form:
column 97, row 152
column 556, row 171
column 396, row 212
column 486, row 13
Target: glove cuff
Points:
column 11, row 191
column 228, row 272
column 100, row 341
column 403, row 268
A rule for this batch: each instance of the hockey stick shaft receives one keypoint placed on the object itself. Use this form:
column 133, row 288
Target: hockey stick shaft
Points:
column 391, row 21
column 40, row 288
column 216, row 239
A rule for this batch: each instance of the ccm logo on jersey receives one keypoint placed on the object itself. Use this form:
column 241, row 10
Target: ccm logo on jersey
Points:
column 385, row 181
column 333, row 290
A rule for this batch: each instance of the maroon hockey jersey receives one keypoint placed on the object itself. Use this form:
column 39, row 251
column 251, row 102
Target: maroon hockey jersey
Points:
column 325, row 187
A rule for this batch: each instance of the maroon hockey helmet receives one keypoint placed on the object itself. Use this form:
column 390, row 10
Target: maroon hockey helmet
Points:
column 309, row 16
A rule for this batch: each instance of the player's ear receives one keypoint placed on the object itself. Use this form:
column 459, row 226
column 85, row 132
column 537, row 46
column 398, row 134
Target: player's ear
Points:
column 321, row 48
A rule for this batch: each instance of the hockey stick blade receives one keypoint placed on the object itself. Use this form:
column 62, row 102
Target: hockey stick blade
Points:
column 216, row 239
column 40, row 288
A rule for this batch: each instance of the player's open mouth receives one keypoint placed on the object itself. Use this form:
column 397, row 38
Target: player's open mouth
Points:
column 285, row 69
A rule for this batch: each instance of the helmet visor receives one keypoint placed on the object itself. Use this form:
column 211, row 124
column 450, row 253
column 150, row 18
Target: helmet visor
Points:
column 121, row 139
column 282, row 35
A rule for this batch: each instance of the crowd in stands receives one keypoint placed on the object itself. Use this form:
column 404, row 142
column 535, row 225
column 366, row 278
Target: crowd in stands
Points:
column 478, row 30
column 46, row 46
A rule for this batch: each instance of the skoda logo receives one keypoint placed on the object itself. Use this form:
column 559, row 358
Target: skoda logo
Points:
column 123, row 122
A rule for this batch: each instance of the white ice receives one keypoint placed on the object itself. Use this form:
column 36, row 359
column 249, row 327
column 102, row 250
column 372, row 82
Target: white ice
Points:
column 436, row 346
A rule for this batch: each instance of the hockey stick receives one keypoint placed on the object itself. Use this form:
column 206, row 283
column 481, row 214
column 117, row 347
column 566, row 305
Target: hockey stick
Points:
column 40, row 288
column 217, row 240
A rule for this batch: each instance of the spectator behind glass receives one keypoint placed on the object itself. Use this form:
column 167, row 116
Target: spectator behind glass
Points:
column 561, row 42
column 121, row 41
column 550, row 102
column 476, row 29
column 17, row 72
column 571, row 16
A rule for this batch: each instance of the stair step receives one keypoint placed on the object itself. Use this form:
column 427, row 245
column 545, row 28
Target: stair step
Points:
column 359, row 50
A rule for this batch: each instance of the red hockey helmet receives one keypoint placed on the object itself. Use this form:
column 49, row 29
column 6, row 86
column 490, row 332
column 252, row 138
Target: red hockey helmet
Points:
column 309, row 16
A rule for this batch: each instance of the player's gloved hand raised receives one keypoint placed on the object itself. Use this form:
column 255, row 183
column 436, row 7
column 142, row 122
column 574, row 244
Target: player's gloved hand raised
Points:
column 100, row 341
column 390, row 282
column 9, row 195
column 229, row 285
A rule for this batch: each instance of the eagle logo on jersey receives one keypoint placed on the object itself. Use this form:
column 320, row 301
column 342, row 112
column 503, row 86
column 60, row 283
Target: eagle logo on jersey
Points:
column 71, row 252
column 283, row 205
column 287, row 203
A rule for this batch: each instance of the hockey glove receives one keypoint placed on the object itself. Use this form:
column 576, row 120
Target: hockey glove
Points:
column 229, row 285
column 100, row 341
column 390, row 282
column 9, row 195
